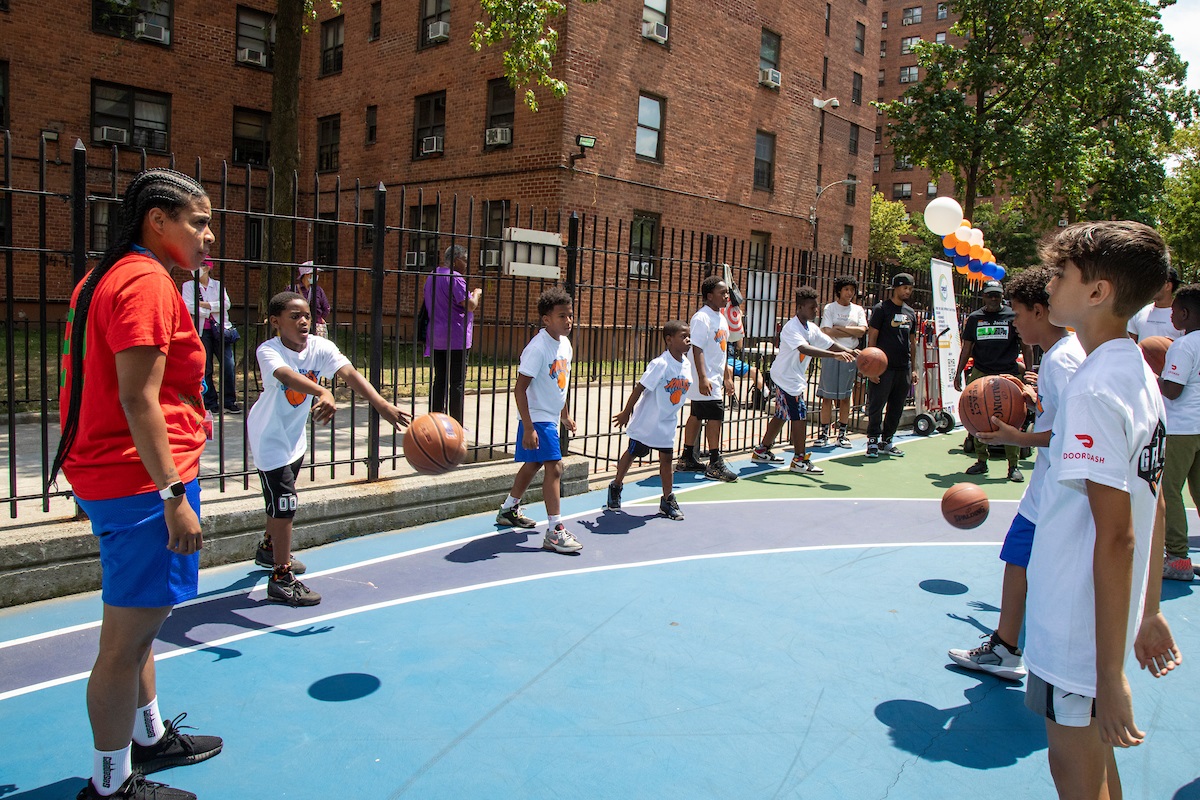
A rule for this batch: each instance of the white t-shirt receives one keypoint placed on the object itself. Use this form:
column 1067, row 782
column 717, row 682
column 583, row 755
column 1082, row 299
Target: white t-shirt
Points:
column 1110, row 431
column 710, row 332
column 656, row 415
column 1182, row 366
column 211, row 294
column 851, row 316
column 1059, row 363
column 1153, row 321
column 548, row 361
column 790, row 368
column 276, row 422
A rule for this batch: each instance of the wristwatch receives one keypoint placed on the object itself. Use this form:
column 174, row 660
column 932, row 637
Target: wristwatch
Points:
column 176, row 489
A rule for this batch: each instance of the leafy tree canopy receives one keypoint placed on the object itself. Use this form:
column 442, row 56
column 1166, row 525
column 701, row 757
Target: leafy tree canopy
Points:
column 889, row 222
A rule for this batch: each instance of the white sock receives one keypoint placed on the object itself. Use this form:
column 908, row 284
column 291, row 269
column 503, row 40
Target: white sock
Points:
column 148, row 726
column 110, row 769
column 509, row 502
column 554, row 520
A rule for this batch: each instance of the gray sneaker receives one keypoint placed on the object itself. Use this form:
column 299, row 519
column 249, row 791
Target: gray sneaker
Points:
column 992, row 657
column 614, row 497
column 513, row 518
column 560, row 541
column 669, row 507
column 889, row 449
column 1177, row 569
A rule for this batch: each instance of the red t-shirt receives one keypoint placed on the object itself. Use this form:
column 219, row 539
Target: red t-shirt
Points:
column 135, row 304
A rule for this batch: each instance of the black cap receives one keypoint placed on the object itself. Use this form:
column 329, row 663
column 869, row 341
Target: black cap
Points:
column 902, row 279
column 992, row 287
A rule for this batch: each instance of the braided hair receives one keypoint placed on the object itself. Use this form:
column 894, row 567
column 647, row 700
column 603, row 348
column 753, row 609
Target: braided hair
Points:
column 154, row 188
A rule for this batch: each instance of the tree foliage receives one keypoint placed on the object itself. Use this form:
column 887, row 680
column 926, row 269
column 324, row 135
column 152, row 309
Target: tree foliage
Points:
column 1062, row 101
column 889, row 223
column 1179, row 211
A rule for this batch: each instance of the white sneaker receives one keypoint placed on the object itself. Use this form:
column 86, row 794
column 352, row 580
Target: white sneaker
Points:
column 805, row 467
column 560, row 541
column 992, row 657
column 764, row 457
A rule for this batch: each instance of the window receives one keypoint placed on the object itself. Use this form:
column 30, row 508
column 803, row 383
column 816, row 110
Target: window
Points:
column 325, row 240
column 649, row 127
column 333, row 34
column 940, row 37
column 129, row 116
column 376, row 22
column 906, row 44
column 856, row 90
column 878, row 134
column 764, row 161
column 654, row 11
column 851, row 189
column 875, row 164
column 847, row 238
column 853, row 139
column 825, row 73
column 251, row 136
column 912, row 16
column 903, row 163
column 860, row 38
column 423, row 240
column 941, row 11
column 4, row 94
column 828, row 13
column 901, row 191
column 255, row 37
column 254, row 239
column 329, row 137
column 502, row 104
column 760, row 247
column 429, row 125
column 148, row 20
column 883, row 21
column 882, row 77
column 931, row 189
column 768, row 50
column 433, row 11
column 495, row 220
column 909, row 74
column 883, row 48
column 821, row 133
column 368, row 233
column 372, row 124
column 643, row 232
column 105, row 216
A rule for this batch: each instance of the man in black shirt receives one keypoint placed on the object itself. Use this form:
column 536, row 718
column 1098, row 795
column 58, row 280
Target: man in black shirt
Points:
column 990, row 336
column 892, row 328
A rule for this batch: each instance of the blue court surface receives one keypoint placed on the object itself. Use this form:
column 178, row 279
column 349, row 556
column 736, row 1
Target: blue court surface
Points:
column 787, row 647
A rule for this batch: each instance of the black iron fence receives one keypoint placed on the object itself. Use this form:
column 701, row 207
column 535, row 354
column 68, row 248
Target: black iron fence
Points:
column 375, row 247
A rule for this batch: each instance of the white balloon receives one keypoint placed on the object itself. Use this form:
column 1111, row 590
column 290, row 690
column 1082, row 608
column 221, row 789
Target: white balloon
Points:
column 976, row 237
column 943, row 215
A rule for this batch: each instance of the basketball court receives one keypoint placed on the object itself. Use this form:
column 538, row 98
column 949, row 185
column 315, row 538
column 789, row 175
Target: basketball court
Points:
column 788, row 639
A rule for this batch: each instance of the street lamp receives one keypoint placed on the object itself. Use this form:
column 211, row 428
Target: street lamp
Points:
column 812, row 210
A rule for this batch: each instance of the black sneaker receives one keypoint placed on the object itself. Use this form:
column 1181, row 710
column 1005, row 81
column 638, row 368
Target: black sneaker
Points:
column 669, row 507
column 1014, row 474
column 614, row 497
column 872, row 448
column 263, row 557
column 685, row 464
column 978, row 468
column 513, row 518
column 287, row 588
column 233, row 408
column 822, row 439
column 717, row 471
column 136, row 788
column 174, row 749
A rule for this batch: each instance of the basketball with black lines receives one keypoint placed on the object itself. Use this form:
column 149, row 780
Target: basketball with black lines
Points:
column 434, row 443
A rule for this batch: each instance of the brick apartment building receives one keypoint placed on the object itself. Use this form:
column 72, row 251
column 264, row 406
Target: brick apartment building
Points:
column 705, row 116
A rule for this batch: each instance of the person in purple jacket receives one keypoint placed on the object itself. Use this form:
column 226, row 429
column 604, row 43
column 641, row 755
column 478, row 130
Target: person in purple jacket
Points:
column 451, row 316
column 306, row 286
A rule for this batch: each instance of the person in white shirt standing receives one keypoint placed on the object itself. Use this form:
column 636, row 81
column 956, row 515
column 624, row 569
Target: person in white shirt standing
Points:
column 1180, row 385
column 1154, row 319
column 210, row 312
column 845, row 322
column 714, row 380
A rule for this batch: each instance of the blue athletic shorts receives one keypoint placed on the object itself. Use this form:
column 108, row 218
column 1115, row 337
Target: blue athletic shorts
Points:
column 740, row 367
column 639, row 450
column 789, row 408
column 549, row 448
column 1018, row 543
column 139, row 570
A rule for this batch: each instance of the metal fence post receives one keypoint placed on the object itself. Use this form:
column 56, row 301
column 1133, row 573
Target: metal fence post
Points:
column 572, row 252
column 375, row 368
column 78, row 212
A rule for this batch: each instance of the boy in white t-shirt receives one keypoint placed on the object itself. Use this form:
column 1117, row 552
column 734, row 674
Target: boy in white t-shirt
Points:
column 1155, row 318
column 845, row 322
column 291, row 364
column 652, row 414
column 713, row 380
column 799, row 341
column 541, row 395
column 1094, row 573
column 1000, row 654
column 1180, row 384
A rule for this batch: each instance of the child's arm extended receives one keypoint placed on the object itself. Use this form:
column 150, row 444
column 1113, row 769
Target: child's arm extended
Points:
column 521, row 393
column 622, row 419
column 361, row 386
column 1112, row 574
column 322, row 410
column 1155, row 646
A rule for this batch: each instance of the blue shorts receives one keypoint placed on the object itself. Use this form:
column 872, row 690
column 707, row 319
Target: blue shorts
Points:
column 549, row 448
column 789, row 408
column 1018, row 543
column 740, row 367
column 139, row 570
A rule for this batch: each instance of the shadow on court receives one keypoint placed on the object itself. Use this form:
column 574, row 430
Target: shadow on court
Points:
column 618, row 523
column 490, row 547
column 65, row 789
column 344, row 687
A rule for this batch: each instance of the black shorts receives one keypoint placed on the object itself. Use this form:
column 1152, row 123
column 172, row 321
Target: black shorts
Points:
column 708, row 409
column 639, row 450
column 279, row 490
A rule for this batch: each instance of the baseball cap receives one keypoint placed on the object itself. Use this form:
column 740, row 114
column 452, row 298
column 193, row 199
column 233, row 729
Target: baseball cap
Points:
column 992, row 287
column 902, row 279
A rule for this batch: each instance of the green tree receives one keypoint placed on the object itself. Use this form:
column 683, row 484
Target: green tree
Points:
column 1179, row 210
column 889, row 223
column 916, row 254
column 1008, row 233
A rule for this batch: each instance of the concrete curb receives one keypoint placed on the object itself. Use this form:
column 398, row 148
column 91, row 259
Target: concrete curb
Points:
column 60, row 558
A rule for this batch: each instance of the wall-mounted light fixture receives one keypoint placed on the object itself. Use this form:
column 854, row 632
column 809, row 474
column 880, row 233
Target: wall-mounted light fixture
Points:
column 585, row 143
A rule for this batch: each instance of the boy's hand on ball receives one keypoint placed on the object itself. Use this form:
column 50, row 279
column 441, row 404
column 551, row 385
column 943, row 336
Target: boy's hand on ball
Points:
column 1004, row 434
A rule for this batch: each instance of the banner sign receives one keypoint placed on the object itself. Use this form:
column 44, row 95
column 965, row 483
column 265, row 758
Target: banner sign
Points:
column 945, row 315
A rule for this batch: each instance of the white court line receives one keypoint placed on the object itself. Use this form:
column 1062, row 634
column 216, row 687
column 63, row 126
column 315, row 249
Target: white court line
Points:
column 489, row 585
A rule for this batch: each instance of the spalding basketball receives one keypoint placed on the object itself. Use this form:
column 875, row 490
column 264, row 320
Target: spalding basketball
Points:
column 434, row 443
column 872, row 362
column 965, row 506
column 991, row 395
column 1154, row 350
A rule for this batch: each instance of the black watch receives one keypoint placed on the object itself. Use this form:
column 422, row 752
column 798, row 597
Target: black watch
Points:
column 176, row 489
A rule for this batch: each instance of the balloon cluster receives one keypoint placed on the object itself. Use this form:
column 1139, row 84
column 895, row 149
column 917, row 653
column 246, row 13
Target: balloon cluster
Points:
column 961, row 243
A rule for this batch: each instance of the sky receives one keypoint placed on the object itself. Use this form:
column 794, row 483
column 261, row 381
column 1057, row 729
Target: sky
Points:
column 1182, row 21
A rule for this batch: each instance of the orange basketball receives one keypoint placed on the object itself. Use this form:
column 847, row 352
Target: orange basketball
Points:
column 871, row 362
column 1154, row 350
column 965, row 506
column 434, row 443
column 991, row 395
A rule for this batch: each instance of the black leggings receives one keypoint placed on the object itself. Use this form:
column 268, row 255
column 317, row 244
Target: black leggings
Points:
column 449, row 382
column 891, row 392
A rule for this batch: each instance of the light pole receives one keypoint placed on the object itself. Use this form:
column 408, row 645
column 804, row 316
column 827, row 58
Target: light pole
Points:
column 812, row 210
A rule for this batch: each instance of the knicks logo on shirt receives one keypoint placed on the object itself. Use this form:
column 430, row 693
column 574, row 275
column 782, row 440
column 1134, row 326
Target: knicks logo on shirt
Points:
column 675, row 388
column 560, row 370
column 720, row 337
column 295, row 396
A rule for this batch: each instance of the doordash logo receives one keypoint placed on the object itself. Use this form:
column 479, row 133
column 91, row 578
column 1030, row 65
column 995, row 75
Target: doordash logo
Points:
column 1085, row 439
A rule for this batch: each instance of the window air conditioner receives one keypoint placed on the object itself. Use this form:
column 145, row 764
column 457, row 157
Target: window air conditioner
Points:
column 431, row 144
column 489, row 258
column 770, row 78
column 907, row 21
column 414, row 259
column 497, row 136
column 439, row 31
column 847, row 248
column 656, row 31
column 152, row 33
column 113, row 135
column 256, row 57
column 642, row 269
